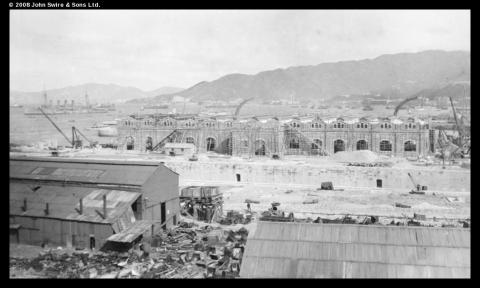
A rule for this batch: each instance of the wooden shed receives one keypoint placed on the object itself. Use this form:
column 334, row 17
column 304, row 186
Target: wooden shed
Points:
column 81, row 203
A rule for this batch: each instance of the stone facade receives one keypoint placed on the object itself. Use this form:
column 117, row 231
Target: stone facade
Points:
column 295, row 136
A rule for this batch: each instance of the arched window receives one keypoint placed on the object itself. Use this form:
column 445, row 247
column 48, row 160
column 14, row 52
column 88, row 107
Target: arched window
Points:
column 244, row 143
column 358, row 125
column 338, row 145
column 366, row 126
column 410, row 125
column 362, row 145
column 294, row 143
column 385, row 145
column 389, row 126
column 190, row 140
column 381, row 126
column 413, row 126
column 410, row 146
column 210, row 144
column 334, row 125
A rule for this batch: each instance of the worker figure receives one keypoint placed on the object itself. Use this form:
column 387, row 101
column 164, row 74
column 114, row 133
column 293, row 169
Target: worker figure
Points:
column 248, row 207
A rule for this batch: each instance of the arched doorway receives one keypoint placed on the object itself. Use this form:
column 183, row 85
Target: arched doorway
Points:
column 130, row 143
column 210, row 144
column 362, row 145
column 410, row 146
column 149, row 144
column 338, row 145
column 260, row 148
column 385, row 145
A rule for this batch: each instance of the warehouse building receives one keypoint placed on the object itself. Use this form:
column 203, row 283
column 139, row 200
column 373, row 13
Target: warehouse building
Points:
column 307, row 250
column 269, row 136
column 81, row 203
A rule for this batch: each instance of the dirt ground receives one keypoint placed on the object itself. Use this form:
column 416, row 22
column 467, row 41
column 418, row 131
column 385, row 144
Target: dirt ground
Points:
column 380, row 202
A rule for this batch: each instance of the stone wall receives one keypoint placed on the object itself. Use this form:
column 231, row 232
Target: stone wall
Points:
column 341, row 176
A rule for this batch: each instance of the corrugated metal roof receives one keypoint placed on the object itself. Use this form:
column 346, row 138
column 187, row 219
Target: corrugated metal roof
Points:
column 131, row 233
column 304, row 250
column 92, row 171
column 62, row 202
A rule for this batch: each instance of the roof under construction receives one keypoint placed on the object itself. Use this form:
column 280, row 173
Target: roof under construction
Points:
column 83, row 170
column 306, row 250
column 64, row 202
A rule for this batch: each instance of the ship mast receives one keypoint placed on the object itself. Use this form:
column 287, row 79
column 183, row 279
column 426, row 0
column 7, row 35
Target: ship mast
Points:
column 45, row 98
column 86, row 99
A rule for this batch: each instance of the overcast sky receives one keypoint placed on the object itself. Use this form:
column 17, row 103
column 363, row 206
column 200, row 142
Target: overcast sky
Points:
column 149, row 49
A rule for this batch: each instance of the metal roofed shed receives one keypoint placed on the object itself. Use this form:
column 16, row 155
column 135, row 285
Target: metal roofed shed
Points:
column 305, row 250
column 80, row 203
column 179, row 148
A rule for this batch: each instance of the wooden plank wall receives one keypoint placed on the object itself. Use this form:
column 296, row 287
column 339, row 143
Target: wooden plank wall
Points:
column 35, row 231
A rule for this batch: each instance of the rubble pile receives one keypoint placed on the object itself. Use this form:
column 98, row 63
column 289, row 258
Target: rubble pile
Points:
column 416, row 220
column 235, row 217
column 374, row 164
column 186, row 251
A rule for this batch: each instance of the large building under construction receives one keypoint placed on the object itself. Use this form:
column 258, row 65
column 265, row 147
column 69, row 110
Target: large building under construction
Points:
column 268, row 136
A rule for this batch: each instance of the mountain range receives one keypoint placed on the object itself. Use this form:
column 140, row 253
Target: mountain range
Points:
column 396, row 75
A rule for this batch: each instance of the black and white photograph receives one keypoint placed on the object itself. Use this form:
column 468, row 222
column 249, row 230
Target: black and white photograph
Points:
column 183, row 143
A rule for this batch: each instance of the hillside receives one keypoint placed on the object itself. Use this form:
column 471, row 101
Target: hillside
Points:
column 404, row 73
column 97, row 93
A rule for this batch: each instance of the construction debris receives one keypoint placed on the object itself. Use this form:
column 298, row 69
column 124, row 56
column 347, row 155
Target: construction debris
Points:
column 273, row 214
column 203, row 203
column 234, row 217
column 186, row 251
column 419, row 217
column 253, row 201
column 326, row 186
column 313, row 201
column 375, row 164
column 400, row 205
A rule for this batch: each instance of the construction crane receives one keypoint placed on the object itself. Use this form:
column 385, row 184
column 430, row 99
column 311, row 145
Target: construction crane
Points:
column 237, row 111
column 458, row 122
column 417, row 187
column 76, row 142
column 162, row 142
column 463, row 142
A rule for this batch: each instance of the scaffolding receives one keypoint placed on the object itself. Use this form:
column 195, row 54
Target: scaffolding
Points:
column 304, row 143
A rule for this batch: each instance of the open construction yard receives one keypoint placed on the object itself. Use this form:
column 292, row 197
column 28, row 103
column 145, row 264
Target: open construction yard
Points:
column 193, row 249
column 295, row 183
